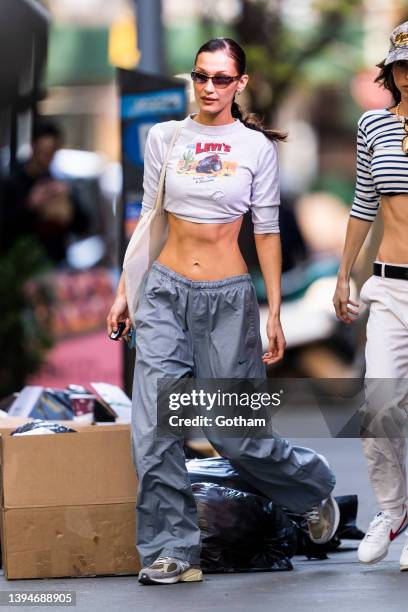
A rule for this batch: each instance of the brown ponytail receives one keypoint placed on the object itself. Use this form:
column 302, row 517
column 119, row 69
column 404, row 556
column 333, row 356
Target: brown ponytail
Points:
column 254, row 122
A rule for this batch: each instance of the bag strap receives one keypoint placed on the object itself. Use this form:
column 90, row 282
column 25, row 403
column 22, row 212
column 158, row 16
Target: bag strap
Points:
column 160, row 187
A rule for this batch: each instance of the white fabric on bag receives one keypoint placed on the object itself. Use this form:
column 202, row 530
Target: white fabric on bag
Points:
column 148, row 238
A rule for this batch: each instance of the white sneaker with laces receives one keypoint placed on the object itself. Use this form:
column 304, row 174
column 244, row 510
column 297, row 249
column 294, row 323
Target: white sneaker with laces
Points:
column 168, row 570
column 382, row 531
column 323, row 520
column 404, row 557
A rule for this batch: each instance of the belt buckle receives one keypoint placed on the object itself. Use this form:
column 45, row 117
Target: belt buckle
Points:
column 383, row 269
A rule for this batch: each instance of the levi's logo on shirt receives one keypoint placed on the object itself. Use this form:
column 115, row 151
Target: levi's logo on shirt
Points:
column 212, row 146
column 206, row 161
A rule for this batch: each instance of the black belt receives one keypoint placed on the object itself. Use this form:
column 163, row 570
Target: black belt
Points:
column 390, row 271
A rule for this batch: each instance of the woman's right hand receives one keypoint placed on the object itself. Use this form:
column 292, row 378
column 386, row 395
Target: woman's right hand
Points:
column 118, row 313
column 342, row 303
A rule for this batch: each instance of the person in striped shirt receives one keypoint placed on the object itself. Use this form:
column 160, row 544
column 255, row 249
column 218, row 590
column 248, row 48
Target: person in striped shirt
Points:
column 382, row 181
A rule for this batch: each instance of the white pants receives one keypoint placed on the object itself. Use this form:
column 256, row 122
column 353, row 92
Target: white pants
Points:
column 386, row 383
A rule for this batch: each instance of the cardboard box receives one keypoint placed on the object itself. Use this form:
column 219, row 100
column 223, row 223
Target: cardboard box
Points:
column 68, row 504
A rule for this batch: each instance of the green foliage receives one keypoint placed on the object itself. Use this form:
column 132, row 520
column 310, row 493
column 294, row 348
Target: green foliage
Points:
column 24, row 335
column 277, row 50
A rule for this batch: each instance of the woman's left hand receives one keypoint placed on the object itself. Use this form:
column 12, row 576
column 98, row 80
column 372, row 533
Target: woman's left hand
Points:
column 277, row 342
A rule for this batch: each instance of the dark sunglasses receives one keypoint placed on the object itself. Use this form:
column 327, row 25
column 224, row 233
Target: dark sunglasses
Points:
column 220, row 80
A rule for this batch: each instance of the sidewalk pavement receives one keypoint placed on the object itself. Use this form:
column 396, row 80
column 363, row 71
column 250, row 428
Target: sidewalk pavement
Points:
column 337, row 584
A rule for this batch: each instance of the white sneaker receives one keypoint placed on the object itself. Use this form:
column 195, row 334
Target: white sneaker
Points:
column 404, row 557
column 323, row 520
column 382, row 531
column 168, row 570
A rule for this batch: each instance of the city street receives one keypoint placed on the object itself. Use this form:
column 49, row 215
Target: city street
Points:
column 151, row 153
column 339, row 583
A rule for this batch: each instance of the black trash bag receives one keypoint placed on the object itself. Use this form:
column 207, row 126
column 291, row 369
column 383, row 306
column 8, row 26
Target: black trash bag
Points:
column 305, row 546
column 47, row 427
column 347, row 528
column 242, row 532
column 219, row 471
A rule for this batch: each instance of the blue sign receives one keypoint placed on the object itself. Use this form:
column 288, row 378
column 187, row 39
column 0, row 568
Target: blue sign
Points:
column 132, row 210
column 134, row 140
column 151, row 104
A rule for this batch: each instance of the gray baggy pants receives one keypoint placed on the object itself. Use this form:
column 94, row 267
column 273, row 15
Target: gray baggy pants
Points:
column 204, row 329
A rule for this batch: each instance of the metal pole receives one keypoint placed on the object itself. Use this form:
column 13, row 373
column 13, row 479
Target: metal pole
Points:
column 150, row 44
column 150, row 35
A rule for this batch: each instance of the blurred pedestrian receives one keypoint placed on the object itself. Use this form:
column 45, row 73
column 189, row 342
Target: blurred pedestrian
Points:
column 34, row 203
column 382, row 179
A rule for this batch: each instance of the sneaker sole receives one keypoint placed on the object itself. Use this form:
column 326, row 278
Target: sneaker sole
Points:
column 328, row 537
column 191, row 575
column 374, row 560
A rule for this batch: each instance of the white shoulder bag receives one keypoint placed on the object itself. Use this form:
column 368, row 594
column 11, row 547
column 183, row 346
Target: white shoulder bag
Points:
column 147, row 240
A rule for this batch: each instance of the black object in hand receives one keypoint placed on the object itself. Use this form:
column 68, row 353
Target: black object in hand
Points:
column 115, row 335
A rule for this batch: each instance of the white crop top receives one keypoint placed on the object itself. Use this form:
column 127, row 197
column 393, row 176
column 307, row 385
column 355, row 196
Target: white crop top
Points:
column 215, row 173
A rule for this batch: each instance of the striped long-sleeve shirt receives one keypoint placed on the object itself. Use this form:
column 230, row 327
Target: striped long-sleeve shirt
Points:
column 382, row 166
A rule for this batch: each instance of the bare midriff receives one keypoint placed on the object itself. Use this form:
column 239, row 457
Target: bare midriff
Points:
column 394, row 243
column 203, row 251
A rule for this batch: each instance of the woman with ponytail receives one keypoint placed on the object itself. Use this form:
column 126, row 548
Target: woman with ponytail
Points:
column 198, row 315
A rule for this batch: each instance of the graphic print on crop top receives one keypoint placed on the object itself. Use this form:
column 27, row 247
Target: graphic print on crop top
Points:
column 206, row 161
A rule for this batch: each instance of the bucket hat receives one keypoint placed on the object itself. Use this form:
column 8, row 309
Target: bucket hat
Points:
column 399, row 44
